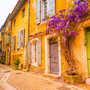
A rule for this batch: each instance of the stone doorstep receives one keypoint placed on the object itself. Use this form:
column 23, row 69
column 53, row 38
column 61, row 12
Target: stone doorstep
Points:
column 88, row 81
column 52, row 75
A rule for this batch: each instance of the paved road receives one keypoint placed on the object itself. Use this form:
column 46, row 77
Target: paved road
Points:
column 18, row 80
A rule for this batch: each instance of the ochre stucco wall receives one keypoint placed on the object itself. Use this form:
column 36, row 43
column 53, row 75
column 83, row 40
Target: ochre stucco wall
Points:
column 20, row 23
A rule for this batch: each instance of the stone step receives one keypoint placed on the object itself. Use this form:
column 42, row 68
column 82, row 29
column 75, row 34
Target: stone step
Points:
column 88, row 81
column 52, row 75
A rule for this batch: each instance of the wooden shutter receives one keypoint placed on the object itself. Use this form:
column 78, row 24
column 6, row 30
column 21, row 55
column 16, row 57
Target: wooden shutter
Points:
column 38, row 12
column 14, row 43
column 50, row 7
column 29, row 53
column 33, row 53
column 23, row 39
column 19, row 39
column 5, row 40
column 38, row 52
column 8, row 38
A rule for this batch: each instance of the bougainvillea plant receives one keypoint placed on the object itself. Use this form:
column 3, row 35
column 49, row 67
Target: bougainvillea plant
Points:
column 60, row 23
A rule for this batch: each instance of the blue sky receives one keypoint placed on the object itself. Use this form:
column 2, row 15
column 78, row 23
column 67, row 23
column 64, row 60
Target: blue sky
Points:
column 6, row 7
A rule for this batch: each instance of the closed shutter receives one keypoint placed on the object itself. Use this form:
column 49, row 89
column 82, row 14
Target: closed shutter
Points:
column 38, row 12
column 51, row 7
column 19, row 39
column 23, row 39
column 14, row 43
column 29, row 53
column 33, row 53
column 39, row 52
column 5, row 40
column 8, row 38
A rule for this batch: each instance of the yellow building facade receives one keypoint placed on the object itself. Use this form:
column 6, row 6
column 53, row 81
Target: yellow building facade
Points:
column 5, row 36
column 38, row 51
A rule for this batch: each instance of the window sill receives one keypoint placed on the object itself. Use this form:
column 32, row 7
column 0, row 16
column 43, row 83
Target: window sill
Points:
column 43, row 22
column 34, row 64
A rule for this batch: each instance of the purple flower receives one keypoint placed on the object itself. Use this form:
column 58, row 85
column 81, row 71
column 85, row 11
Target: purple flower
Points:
column 74, row 33
column 67, row 25
column 47, row 30
column 57, row 28
column 53, row 31
column 56, row 36
column 60, row 26
column 63, row 20
column 64, row 39
column 65, row 33
column 77, row 1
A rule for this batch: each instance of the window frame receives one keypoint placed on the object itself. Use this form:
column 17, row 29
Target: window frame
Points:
column 23, row 12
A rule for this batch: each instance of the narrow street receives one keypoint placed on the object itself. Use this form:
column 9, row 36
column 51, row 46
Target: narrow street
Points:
column 11, row 79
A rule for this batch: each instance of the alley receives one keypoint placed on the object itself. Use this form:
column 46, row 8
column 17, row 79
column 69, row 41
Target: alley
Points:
column 19, row 80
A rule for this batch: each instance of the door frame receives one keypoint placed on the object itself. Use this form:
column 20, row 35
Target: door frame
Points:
column 47, row 53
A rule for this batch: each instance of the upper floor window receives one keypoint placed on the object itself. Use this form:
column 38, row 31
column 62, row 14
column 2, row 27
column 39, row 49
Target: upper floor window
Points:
column 23, row 12
column 44, row 8
column 14, row 23
column 6, row 27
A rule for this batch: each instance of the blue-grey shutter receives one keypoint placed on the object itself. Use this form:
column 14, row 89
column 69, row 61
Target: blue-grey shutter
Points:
column 19, row 39
column 38, row 12
column 12, row 44
column 8, row 38
column 39, row 52
column 23, row 39
column 5, row 40
column 50, row 7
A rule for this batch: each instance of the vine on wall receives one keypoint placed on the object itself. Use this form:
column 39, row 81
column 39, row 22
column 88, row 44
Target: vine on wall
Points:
column 63, row 26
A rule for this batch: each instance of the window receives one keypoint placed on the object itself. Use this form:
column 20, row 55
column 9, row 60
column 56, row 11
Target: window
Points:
column 44, row 8
column 23, row 12
column 9, row 24
column 21, row 39
column 14, row 23
column 13, row 43
column 36, row 53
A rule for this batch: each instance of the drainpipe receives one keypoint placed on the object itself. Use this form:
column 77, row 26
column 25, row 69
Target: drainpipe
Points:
column 28, row 17
column 28, row 65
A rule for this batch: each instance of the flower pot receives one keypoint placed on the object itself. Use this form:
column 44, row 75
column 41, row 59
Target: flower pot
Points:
column 16, row 67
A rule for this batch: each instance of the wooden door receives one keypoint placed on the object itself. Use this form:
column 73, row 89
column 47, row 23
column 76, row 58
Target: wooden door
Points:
column 88, row 49
column 54, row 61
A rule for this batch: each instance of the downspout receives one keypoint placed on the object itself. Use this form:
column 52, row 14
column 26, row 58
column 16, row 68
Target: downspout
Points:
column 28, row 65
column 28, row 17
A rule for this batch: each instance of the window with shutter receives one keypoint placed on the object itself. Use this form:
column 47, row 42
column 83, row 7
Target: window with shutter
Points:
column 8, row 38
column 38, row 12
column 33, row 54
column 12, row 44
column 36, row 53
column 22, row 38
column 51, row 7
column 18, row 39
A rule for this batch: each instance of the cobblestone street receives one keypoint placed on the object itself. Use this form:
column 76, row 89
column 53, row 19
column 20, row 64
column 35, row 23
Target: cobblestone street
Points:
column 11, row 79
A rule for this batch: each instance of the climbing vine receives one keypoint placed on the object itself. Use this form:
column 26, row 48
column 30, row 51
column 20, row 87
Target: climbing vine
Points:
column 63, row 26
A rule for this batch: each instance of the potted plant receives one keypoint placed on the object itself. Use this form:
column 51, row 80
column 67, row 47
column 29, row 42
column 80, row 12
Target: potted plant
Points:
column 16, row 62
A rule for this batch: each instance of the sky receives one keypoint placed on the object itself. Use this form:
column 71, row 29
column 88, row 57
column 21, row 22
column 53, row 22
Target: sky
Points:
column 6, row 7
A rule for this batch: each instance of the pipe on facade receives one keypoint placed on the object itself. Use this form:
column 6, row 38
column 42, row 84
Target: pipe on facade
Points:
column 28, row 17
column 28, row 65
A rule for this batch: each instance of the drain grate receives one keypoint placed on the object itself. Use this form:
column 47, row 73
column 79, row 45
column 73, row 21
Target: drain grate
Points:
column 6, row 71
column 63, row 88
column 18, row 73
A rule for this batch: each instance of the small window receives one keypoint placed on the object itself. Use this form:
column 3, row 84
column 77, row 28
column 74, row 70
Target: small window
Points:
column 14, row 23
column 23, row 12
